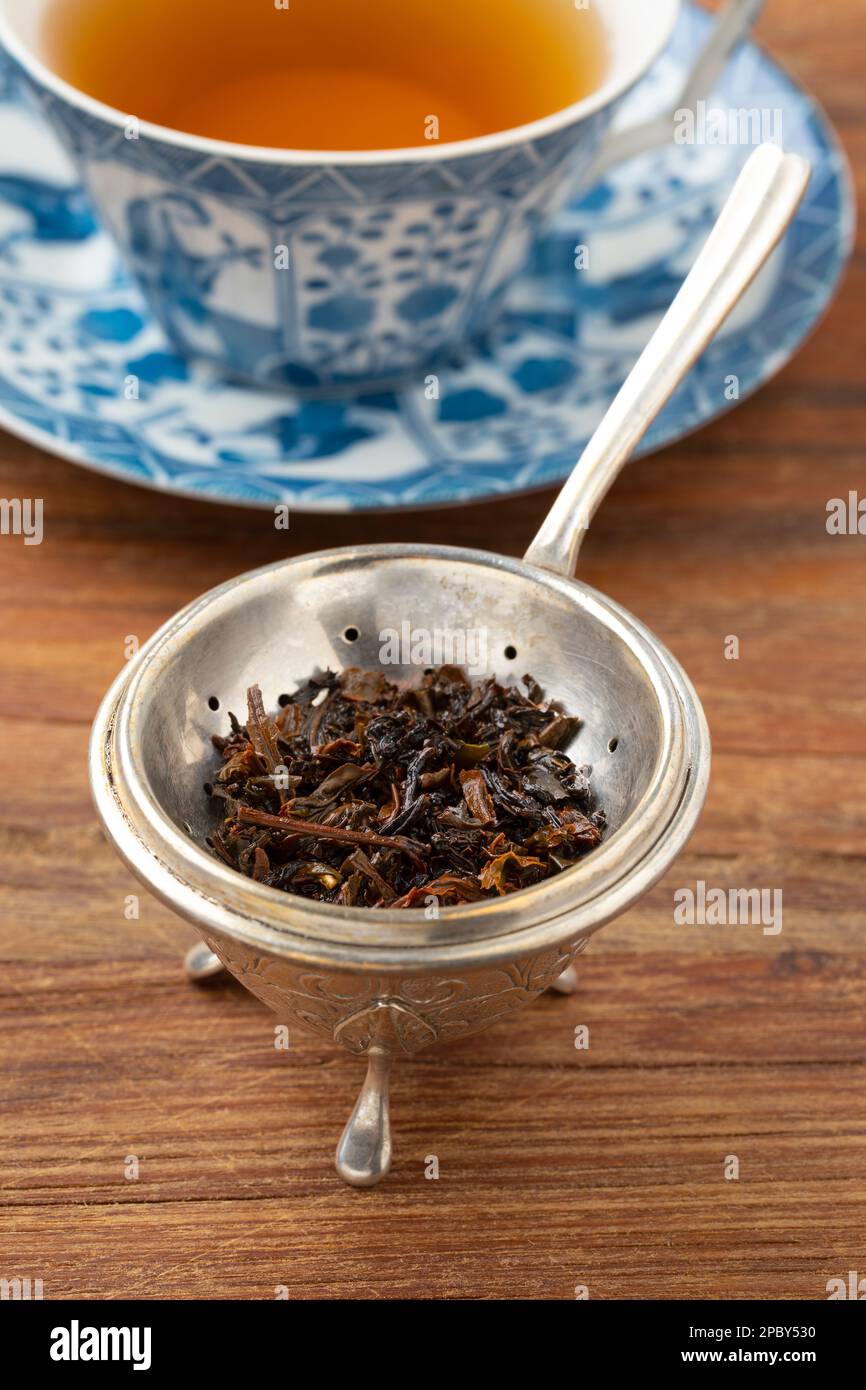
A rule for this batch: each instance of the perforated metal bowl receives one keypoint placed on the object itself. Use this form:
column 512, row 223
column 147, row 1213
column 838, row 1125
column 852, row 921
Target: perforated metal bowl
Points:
column 385, row 980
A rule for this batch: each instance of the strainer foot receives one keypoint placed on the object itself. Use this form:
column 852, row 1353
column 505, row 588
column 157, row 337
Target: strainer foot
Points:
column 364, row 1151
column 566, row 983
column 200, row 963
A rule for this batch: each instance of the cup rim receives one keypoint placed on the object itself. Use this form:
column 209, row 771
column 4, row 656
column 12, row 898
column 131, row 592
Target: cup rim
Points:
column 218, row 899
column 590, row 105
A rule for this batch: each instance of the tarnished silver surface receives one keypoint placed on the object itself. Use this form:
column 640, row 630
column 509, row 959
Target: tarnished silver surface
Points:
column 383, row 982
column 403, row 1013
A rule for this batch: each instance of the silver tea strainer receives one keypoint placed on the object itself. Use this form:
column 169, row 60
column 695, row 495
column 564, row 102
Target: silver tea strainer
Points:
column 382, row 982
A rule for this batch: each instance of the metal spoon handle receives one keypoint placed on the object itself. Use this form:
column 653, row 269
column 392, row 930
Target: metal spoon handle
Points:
column 763, row 202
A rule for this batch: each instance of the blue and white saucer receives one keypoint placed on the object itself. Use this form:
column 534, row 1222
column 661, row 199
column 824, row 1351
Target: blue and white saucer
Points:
column 509, row 413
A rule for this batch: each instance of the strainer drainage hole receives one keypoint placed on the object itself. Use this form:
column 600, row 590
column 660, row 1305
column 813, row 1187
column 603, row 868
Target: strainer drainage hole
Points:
column 613, row 745
column 510, row 652
column 351, row 634
column 213, row 702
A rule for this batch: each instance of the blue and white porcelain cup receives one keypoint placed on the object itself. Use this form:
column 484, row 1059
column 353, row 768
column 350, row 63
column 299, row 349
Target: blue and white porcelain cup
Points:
column 316, row 268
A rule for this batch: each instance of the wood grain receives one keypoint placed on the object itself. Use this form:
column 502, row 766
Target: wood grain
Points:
column 558, row 1166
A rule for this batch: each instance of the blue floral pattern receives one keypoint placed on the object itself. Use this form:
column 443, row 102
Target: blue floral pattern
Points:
column 230, row 251
column 86, row 369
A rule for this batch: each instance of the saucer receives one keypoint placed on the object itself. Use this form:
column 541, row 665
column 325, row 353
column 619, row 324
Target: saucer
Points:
column 86, row 373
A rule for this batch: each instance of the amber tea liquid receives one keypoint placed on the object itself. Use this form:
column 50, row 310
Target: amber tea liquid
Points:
column 329, row 74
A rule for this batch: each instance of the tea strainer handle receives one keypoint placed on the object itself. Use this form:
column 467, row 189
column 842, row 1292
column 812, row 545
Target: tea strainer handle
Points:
column 760, row 207
column 730, row 26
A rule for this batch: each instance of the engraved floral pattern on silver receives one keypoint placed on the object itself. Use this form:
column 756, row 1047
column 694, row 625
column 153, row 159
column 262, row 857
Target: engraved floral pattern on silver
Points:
column 418, row 1010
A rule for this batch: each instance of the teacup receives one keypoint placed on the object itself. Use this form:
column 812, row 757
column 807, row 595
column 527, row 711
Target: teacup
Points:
column 229, row 241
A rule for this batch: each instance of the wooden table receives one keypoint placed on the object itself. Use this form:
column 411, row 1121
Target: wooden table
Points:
column 558, row 1167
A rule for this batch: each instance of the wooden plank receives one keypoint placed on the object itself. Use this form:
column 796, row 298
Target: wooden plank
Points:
column 559, row 1166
